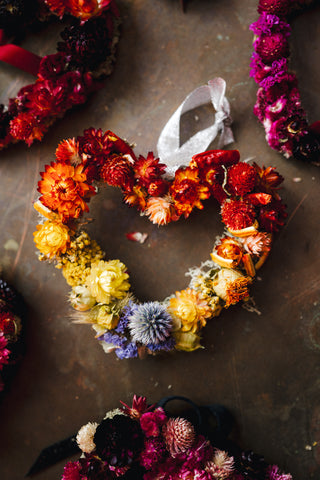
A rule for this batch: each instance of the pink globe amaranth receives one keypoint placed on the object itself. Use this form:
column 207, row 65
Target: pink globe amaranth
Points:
column 272, row 47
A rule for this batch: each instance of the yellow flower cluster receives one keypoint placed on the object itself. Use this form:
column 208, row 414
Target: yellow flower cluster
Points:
column 76, row 264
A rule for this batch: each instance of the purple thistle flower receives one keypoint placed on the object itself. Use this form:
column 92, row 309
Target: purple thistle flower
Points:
column 150, row 323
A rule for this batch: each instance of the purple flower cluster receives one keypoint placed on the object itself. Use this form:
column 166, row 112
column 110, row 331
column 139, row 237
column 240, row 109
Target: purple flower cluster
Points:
column 278, row 106
column 145, row 326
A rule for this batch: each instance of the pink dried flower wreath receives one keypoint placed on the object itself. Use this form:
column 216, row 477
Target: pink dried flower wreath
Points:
column 278, row 105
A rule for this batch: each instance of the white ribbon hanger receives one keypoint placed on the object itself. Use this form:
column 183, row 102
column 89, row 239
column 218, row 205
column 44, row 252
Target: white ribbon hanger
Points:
column 169, row 150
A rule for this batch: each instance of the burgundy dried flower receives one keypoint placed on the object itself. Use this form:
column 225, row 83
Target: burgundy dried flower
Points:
column 71, row 471
column 153, row 452
column 272, row 47
column 118, row 172
column 272, row 216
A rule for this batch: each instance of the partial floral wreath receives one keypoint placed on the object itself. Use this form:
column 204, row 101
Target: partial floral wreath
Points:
column 251, row 209
column 278, row 105
column 11, row 317
column 143, row 442
column 64, row 79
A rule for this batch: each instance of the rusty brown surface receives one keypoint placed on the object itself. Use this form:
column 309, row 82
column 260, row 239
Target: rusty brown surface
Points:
column 265, row 368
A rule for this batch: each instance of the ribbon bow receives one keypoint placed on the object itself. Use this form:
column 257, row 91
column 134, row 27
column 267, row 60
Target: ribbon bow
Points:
column 169, row 150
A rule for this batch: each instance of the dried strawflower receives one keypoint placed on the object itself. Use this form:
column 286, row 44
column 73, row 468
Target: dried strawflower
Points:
column 52, row 238
column 191, row 308
column 179, row 435
column 187, row 191
column 161, row 210
column 237, row 214
column 85, row 437
column 108, row 280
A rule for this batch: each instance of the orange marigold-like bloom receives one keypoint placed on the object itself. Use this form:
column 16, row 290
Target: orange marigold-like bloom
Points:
column 26, row 127
column 64, row 190
column 161, row 210
column 238, row 290
column 230, row 249
column 190, row 307
column 231, row 286
column 67, row 151
column 137, row 197
column 187, row 191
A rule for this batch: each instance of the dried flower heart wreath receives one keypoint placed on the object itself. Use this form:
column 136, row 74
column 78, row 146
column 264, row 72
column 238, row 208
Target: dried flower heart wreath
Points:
column 143, row 442
column 11, row 316
column 64, row 79
column 251, row 209
column 278, row 105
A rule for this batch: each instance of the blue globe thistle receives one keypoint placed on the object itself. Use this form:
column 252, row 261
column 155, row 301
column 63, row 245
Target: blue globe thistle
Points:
column 150, row 323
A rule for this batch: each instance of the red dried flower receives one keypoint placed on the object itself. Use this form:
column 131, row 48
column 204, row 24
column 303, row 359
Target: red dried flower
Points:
column 47, row 98
column 158, row 188
column 272, row 216
column 213, row 158
column 87, row 8
column 148, row 169
column 237, row 214
column 152, row 422
column 241, row 179
column 274, row 7
column 71, row 471
column 67, row 151
column 57, row 6
column 187, row 191
column 268, row 180
column 26, row 127
column 139, row 406
column 94, row 143
column 272, row 47
column 118, row 172
column 7, row 323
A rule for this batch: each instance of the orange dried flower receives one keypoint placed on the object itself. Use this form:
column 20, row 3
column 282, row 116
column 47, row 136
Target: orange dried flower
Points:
column 230, row 249
column 64, row 190
column 137, row 198
column 86, row 9
column 238, row 290
column 187, row 191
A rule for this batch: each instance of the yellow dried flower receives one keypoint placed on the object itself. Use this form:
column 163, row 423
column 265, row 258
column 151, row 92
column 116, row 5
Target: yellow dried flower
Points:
column 52, row 238
column 191, row 308
column 76, row 263
column 186, row 341
column 106, row 318
column 108, row 280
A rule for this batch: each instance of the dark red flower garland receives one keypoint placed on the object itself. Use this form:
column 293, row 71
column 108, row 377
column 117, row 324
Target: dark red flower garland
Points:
column 11, row 317
column 278, row 105
column 64, row 79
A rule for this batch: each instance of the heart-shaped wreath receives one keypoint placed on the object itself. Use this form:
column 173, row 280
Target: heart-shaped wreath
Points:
column 64, row 79
column 251, row 209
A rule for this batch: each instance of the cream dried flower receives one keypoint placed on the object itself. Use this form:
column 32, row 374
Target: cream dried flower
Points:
column 85, row 437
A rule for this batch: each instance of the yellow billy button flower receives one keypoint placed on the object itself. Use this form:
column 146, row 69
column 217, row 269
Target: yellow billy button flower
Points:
column 190, row 307
column 52, row 238
column 108, row 280
column 231, row 286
